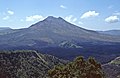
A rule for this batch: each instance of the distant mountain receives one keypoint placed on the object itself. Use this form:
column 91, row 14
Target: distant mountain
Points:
column 111, row 32
column 58, row 37
column 26, row 64
column 112, row 69
column 6, row 30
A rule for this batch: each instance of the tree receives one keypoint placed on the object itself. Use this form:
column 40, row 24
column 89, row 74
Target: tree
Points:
column 79, row 68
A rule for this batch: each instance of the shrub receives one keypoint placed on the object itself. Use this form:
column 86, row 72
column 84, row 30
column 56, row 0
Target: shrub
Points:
column 79, row 68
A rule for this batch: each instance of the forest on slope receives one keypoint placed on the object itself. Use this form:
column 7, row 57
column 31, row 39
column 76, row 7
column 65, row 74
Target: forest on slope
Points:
column 31, row 64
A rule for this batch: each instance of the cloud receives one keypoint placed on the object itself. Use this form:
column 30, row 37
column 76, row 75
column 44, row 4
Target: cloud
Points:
column 6, row 18
column 62, row 6
column 89, row 14
column 81, row 23
column 71, row 19
column 34, row 18
column 10, row 12
column 7, row 15
column 112, row 19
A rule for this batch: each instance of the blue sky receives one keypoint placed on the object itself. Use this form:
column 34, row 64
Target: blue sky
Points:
column 90, row 14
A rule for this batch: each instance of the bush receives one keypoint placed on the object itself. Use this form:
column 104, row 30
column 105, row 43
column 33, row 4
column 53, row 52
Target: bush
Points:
column 79, row 68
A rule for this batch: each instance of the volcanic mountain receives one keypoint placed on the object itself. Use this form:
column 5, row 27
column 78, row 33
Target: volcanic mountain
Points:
column 60, row 38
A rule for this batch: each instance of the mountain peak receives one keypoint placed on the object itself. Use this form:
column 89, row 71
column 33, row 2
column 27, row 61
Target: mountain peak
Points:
column 50, row 21
column 51, row 18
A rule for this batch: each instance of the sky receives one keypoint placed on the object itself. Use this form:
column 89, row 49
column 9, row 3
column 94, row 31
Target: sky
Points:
column 90, row 14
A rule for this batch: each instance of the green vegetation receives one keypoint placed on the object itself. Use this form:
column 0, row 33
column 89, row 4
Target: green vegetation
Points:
column 31, row 64
column 79, row 68
column 26, row 64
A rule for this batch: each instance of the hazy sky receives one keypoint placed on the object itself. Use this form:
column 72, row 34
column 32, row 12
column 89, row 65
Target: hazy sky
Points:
column 90, row 14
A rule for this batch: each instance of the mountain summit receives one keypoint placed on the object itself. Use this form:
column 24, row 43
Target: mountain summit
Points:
column 51, row 21
column 51, row 18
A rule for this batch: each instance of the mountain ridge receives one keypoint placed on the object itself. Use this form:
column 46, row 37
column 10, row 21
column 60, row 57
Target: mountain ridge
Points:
column 111, row 32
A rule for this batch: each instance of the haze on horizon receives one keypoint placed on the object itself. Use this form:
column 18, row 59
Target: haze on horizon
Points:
column 90, row 14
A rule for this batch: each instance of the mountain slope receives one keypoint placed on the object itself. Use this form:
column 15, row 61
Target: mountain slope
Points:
column 112, row 69
column 111, row 32
column 32, row 64
column 26, row 64
column 6, row 30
